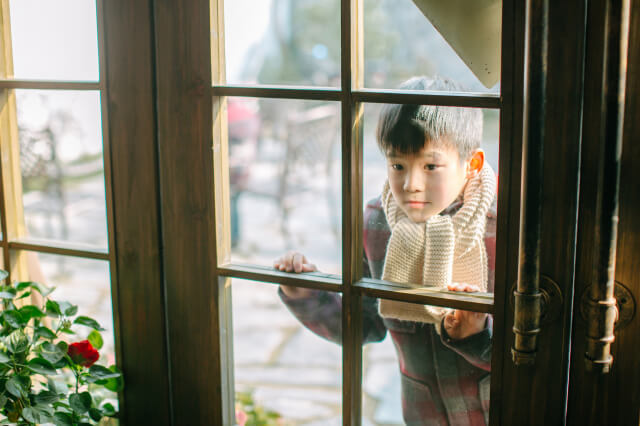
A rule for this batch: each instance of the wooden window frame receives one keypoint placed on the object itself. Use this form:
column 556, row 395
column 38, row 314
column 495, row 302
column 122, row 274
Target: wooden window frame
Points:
column 352, row 95
column 15, row 242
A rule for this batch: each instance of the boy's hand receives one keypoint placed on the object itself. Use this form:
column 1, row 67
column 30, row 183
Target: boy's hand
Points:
column 460, row 324
column 294, row 262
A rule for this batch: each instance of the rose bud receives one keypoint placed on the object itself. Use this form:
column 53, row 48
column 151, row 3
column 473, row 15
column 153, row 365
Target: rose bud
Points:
column 82, row 353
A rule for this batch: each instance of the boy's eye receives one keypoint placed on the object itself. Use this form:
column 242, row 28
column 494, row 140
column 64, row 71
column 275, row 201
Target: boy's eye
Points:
column 397, row 166
column 431, row 166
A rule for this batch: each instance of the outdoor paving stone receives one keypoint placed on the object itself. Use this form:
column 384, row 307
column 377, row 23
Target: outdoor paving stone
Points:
column 379, row 377
column 270, row 318
column 333, row 421
column 381, row 351
column 255, row 346
column 382, row 382
column 331, row 398
column 304, row 376
column 298, row 411
column 305, row 348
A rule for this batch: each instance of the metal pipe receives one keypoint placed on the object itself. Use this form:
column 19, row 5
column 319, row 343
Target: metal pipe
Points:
column 528, row 298
column 601, row 304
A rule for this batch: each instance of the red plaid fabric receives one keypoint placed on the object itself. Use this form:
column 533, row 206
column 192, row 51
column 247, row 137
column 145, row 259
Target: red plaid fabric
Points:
column 444, row 381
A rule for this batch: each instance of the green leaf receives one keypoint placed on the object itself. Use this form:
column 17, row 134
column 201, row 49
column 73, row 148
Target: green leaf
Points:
column 3, row 400
column 95, row 414
column 4, row 357
column 89, row 322
column 71, row 311
column 45, row 332
column 14, row 318
column 23, row 295
column 3, row 274
column 80, row 402
column 42, row 289
column 103, row 373
column 14, row 387
column 46, row 397
column 57, row 387
column 41, row 366
column 22, row 285
column 108, row 409
column 51, row 352
column 17, row 342
column 32, row 415
column 61, row 418
column 68, row 309
column 30, row 311
column 7, row 295
column 95, row 338
column 46, row 411
column 53, row 309
column 115, row 384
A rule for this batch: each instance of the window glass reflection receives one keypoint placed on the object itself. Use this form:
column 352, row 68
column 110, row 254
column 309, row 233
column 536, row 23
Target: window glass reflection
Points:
column 455, row 39
column 283, row 42
column 284, row 175
column 284, row 374
column 62, row 168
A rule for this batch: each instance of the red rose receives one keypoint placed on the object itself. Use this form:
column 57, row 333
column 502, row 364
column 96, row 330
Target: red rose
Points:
column 82, row 353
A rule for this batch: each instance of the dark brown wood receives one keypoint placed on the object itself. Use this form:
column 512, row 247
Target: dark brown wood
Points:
column 477, row 302
column 185, row 141
column 64, row 248
column 351, row 150
column 510, row 158
column 50, row 85
column 611, row 398
column 392, row 96
column 132, row 147
column 279, row 92
column 317, row 280
column 536, row 395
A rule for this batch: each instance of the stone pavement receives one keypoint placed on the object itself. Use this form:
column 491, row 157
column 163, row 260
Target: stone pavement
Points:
column 292, row 371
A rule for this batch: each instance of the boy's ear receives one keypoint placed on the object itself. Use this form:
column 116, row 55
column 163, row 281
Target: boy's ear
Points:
column 476, row 162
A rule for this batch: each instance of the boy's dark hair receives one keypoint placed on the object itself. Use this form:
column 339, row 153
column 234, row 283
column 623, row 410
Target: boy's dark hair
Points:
column 407, row 128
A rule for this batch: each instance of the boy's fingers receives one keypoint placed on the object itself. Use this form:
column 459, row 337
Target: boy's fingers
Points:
column 297, row 262
column 309, row 267
column 463, row 287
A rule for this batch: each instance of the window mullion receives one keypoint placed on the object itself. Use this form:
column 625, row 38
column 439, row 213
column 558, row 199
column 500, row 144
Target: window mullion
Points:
column 222, row 214
column 352, row 55
column 12, row 209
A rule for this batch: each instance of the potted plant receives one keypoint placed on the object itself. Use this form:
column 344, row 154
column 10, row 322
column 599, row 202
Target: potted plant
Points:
column 48, row 374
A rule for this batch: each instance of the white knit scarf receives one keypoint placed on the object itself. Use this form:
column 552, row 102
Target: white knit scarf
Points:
column 442, row 250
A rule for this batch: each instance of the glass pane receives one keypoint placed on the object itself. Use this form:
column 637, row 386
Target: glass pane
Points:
column 418, row 373
column 85, row 283
column 281, row 368
column 428, row 182
column 459, row 40
column 54, row 40
column 282, row 42
column 284, row 166
column 62, row 166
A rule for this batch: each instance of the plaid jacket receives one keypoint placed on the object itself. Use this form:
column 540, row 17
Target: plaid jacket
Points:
column 444, row 381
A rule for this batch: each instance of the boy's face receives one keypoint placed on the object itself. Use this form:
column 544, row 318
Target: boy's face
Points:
column 426, row 183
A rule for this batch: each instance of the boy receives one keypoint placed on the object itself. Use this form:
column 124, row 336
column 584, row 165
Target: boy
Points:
column 432, row 226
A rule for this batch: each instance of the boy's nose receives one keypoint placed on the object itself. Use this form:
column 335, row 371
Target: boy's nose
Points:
column 414, row 181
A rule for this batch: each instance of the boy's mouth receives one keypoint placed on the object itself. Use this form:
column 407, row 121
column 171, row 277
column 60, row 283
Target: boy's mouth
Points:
column 416, row 204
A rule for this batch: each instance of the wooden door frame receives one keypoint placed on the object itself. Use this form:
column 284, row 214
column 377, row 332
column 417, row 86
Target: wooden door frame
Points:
column 161, row 116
